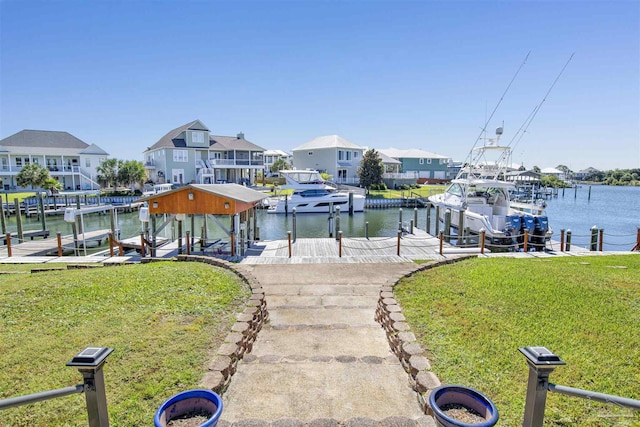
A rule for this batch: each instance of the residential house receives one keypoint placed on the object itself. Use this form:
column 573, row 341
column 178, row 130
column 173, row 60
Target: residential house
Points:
column 272, row 156
column 331, row 154
column 586, row 173
column 553, row 172
column 70, row 160
column 422, row 164
column 190, row 154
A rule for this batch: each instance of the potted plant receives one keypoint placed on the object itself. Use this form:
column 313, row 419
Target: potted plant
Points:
column 460, row 406
column 192, row 408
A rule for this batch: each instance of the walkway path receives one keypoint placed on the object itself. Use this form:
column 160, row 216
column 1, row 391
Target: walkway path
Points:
column 322, row 360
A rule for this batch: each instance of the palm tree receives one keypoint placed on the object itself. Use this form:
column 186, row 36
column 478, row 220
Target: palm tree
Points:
column 108, row 173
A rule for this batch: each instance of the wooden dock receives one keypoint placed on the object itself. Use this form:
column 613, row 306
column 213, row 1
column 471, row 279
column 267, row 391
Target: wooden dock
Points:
column 50, row 246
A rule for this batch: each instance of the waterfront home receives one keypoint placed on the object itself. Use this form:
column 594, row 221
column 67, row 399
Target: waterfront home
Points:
column 331, row 154
column 272, row 156
column 419, row 163
column 190, row 154
column 70, row 160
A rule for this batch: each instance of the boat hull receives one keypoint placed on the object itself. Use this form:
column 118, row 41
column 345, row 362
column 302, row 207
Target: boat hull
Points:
column 317, row 204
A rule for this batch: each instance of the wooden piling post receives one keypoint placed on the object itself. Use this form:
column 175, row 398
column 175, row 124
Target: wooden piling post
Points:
column 2, row 218
column 111, row 244
column 415, row 218
column 460, row 226
column 594, row 238
column 437, row 219
column 188, row 242
column 289, row 242
column 526, row 240
column 339, row 244
column 59, row 237
column 366, row 230
column 441, row 239
column 337, row 221
column 428, row 228
column 399, row 238
column 18, row 220
column 482, row 237
column 43, row 219
column 350, row 203
column 179, row 237
column 293, row 212
column 601, row 239
column 8, row 237
column 142, row 251
column 568, row 245
column 447, row 225
column 562, row 240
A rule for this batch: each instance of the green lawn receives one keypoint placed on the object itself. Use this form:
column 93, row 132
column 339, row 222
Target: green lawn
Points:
column 9, row 197
column 423, row 191
column 162, row 319
column 471, row 318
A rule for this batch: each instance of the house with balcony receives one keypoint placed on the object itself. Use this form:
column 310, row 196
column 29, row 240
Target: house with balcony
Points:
column 419, row 163
column 272, row 156
column 190, row 154
column 330, row 154
column 70, row 160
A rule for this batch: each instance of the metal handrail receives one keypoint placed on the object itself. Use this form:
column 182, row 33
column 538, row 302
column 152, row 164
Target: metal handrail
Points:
column 39, row 397
column 591, row 395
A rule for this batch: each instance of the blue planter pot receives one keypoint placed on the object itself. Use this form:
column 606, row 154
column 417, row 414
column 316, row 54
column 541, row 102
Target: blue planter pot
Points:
column 472, row 399
column 190, row 401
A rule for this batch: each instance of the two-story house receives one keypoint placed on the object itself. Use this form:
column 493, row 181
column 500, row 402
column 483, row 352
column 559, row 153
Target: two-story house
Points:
column 420, row 163
column 70, row 160
column 331, row 154
column 190, row 154
column 272, row 156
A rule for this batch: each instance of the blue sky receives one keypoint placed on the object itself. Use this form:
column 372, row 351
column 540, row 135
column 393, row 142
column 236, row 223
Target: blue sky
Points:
column 420, row 74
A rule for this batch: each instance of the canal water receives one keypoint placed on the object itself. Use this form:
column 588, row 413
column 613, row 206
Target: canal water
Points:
column 615, row 209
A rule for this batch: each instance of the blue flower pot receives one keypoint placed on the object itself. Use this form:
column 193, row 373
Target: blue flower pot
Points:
column 472, row 399
column 190, row 401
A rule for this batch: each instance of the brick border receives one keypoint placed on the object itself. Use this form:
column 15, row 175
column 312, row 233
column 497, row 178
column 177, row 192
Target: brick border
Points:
column 403, row 342
column 244, row 332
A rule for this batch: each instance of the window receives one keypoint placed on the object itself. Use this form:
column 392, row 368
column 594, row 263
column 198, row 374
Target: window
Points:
column 310, row 153
column 19, row 162
column 355, row 154
column 340, row 155
column 180, row 156
column 87, row 162
column 26, row 161
column 348, row 155
column 197, row 137
column 36, row 160
column 443, row 161
column 421, row 161
column 428, row 161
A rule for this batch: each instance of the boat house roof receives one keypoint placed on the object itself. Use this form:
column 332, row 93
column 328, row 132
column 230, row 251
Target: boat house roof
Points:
column 201, row 199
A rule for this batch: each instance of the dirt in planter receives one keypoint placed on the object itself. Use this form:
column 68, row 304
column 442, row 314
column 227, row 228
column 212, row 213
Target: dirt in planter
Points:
column 462, row 413
column 191, row 419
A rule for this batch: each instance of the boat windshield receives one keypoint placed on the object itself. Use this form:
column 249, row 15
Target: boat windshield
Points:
column 455, row 189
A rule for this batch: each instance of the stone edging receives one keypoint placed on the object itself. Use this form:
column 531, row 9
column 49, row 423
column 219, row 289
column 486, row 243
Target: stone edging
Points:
column 403, row 342
column 239, row 341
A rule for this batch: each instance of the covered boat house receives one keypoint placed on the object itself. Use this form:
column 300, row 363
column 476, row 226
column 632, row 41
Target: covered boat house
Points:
column 209, row 200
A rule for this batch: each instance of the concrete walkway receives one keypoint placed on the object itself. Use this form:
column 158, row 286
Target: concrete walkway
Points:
column 322, row 360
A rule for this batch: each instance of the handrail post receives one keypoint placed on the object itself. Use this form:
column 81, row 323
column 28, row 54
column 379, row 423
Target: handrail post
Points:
column 339, row 244
column 541, row 363
column 8, row 240
column 90, row 362
column 562, row 240
column 59, row 237
column 399, row 237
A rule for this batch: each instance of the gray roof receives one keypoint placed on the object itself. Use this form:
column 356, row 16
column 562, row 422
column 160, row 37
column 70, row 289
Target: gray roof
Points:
column 236, row 192
column 227, row 143
column 411, row 154
column 175, row 139
column 94, row 149
column 329, row 141
column 388, row 160
column 232, row 191
column 44, row 139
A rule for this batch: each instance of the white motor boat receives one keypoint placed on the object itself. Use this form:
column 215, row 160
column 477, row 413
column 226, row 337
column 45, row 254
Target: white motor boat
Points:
column 481, row 195
column 312, row 194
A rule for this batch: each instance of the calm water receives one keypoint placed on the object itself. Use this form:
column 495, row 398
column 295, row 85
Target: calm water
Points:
column 616, row 209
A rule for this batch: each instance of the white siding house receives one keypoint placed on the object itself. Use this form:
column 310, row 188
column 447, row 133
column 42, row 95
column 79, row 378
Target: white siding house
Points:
column 331, row 154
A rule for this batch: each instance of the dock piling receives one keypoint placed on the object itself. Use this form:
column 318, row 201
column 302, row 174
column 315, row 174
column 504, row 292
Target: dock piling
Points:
column 59, row 237
column 18, row 220
column 8, row 237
